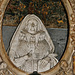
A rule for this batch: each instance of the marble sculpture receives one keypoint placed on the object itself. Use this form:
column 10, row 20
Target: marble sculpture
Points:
column 31, row 48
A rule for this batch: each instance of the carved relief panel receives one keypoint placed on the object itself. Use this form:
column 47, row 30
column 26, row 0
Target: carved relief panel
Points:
column 32, row 49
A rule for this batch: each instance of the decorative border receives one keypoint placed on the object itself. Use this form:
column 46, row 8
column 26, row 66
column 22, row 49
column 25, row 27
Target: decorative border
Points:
column 66, row 66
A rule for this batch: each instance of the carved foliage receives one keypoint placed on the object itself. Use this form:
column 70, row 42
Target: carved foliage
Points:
column 73, row 39
column 72, row 3
column 3, row 68
column 65, row 68
column 72, row 19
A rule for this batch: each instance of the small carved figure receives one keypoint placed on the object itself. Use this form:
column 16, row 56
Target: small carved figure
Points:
column 31, row 48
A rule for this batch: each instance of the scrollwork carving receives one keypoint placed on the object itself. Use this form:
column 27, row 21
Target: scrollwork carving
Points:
column 3, row 68
column 73, row 17
column 73, row 39
column 65, row 68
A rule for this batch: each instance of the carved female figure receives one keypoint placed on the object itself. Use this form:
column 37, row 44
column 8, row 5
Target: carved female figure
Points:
column 31, row 48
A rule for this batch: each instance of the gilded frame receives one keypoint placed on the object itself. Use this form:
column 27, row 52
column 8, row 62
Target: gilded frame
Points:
column 7, row 67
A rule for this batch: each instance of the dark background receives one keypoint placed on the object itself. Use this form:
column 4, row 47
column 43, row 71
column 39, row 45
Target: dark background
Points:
column 51, row 12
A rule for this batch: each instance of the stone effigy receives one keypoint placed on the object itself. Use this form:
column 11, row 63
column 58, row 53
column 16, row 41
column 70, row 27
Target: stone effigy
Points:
column 31, row 48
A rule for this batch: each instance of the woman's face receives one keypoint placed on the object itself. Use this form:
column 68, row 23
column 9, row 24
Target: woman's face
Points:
column 32, row 26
